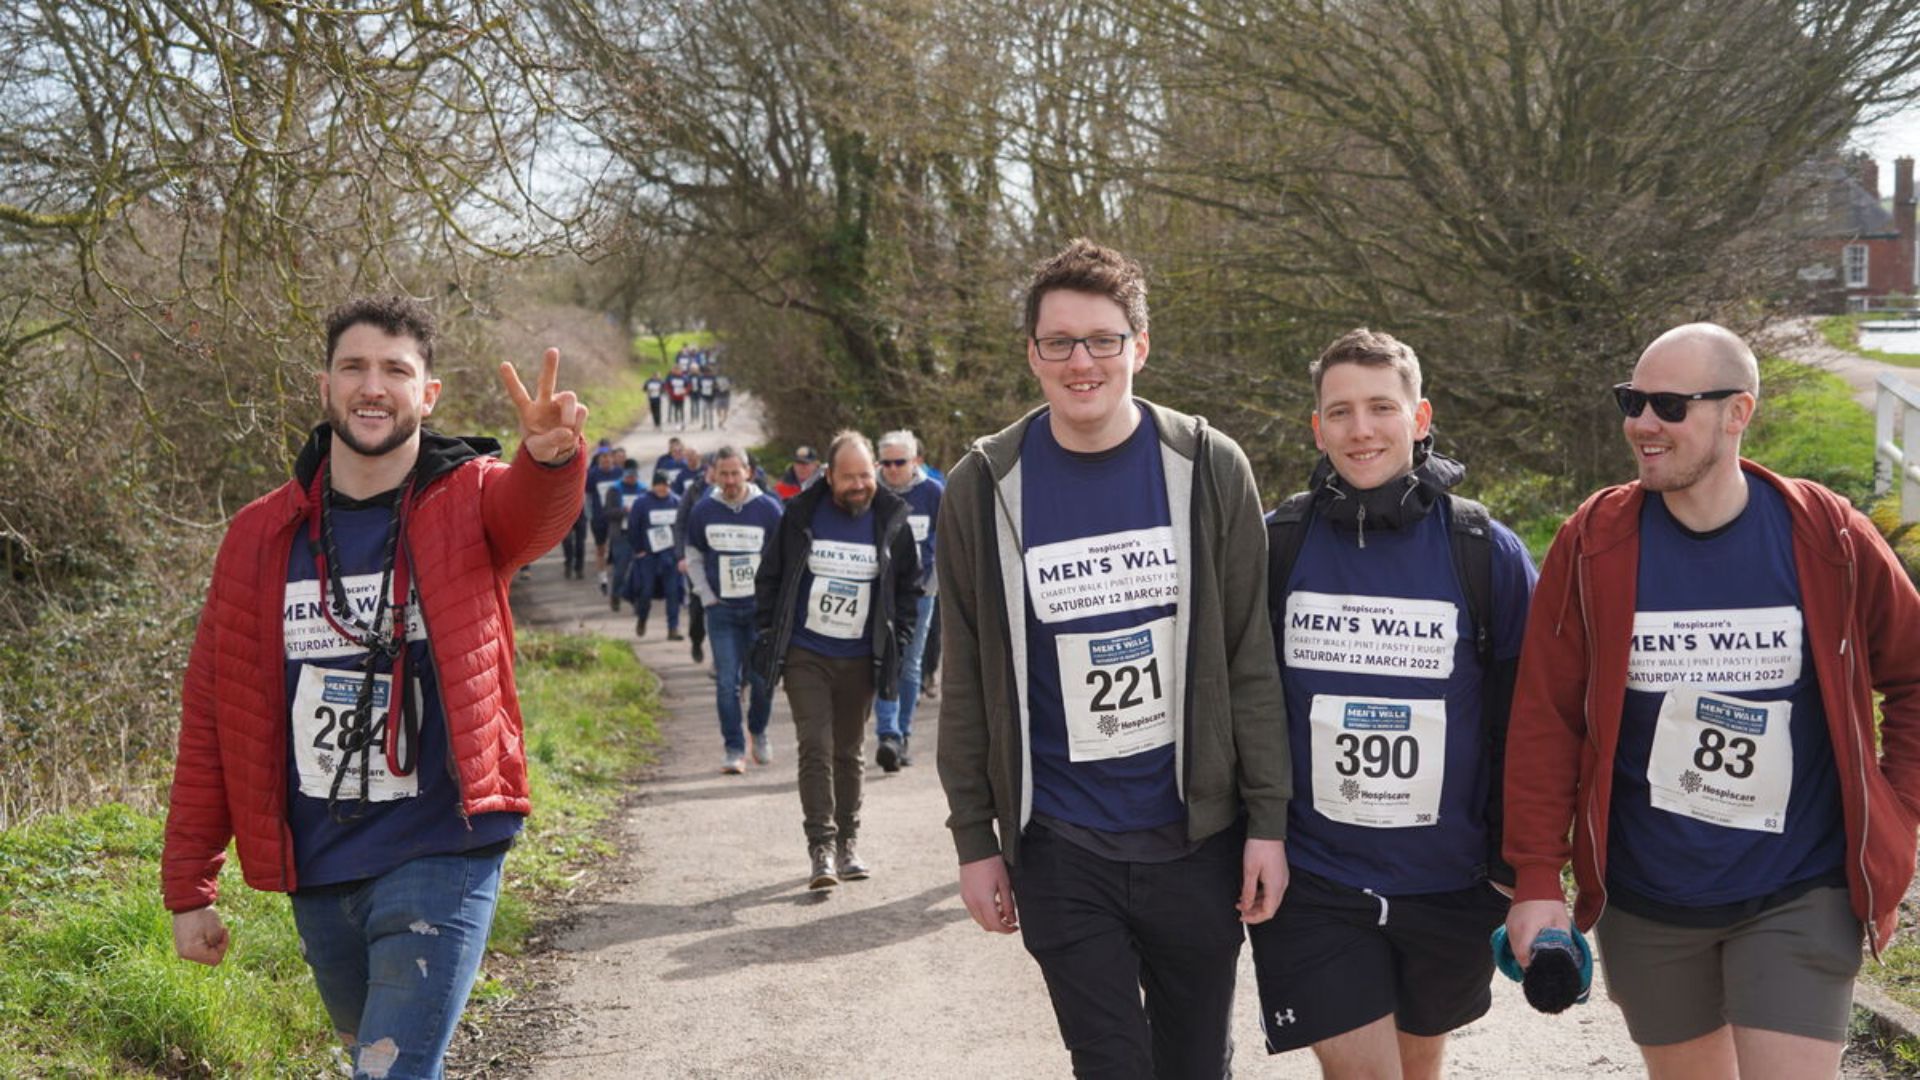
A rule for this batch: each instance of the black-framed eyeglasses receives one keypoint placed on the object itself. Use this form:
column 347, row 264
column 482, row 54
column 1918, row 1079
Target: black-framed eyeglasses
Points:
column 1099, row 346
column 895, row 462
column 1667, row 406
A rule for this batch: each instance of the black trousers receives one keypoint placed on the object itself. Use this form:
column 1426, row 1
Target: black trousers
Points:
column 573, row 546
column 1103, row 932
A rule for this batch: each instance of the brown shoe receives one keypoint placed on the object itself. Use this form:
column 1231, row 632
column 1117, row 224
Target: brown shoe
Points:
column 851, row 868
column 821, row 855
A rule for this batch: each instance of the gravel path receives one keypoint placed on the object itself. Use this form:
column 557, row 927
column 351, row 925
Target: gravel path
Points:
column 707, row 956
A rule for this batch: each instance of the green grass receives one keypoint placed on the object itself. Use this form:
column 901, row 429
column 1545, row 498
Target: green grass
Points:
column 1843, row 332
column 1809, row 426
column 89, row 984
column 654, row 354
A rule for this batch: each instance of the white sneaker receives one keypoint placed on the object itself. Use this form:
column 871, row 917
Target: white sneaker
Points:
column 735, row 765
column 762, row 750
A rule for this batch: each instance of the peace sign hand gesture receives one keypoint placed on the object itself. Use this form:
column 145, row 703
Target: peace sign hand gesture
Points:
column 550, row 423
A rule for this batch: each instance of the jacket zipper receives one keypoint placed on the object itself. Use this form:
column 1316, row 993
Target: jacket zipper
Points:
column 439, row 689
column 1861, row 752
column 1593, row 840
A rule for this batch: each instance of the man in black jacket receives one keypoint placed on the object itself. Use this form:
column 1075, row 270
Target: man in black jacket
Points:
column 834, row 604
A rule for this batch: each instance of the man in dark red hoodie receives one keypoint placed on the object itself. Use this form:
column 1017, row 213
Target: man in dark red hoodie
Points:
column 349, row 715
column 1695, row 711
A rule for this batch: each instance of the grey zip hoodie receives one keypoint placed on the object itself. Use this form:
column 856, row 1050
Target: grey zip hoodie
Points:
column 1230, row 751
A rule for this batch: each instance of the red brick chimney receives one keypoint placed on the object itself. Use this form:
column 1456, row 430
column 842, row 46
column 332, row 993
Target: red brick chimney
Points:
column 1869, row 171
column 1904, row 279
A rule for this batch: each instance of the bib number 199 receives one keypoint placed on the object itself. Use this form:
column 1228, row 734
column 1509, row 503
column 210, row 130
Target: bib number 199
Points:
column 1377, row 755
column 1105, row 682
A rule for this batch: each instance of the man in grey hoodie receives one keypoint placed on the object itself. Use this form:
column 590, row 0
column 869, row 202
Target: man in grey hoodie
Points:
column 1113, row 741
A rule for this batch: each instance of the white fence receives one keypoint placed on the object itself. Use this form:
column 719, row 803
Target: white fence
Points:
column 1897, row 409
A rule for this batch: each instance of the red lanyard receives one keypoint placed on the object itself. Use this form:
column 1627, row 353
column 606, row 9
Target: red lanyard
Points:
column 395, row 574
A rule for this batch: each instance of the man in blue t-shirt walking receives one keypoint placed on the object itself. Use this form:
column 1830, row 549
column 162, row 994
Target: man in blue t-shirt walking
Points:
column 1696, row 711
column 728, row 532
column 834, row 606
column 1397, row 691
column 1112, row 739
column 901, row 472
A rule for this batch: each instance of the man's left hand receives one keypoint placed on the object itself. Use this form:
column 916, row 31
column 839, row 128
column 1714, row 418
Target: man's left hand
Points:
column 550, row 423
column 1263, row 880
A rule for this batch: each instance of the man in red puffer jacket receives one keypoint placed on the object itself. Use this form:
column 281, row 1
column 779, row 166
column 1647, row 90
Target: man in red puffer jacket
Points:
column 349, row 715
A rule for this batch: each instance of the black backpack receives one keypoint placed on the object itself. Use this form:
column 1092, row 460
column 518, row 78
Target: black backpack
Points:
column 1470, row 536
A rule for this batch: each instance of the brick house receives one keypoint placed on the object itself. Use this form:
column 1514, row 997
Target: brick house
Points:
column 1861, row 248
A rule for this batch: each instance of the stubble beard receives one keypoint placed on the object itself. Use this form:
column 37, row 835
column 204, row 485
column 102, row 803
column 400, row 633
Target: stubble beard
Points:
column 341, row 423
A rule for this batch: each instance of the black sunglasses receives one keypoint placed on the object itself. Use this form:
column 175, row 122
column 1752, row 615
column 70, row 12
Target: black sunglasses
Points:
column 894, row 461
column 1667, row 406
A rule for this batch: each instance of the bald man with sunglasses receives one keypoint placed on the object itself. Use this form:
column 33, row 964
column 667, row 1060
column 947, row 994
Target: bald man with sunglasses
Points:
column 1695, row 711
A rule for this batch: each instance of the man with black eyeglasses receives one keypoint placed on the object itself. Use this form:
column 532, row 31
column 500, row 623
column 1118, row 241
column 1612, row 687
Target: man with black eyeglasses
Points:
column 1112, row 739
column 1695, row 709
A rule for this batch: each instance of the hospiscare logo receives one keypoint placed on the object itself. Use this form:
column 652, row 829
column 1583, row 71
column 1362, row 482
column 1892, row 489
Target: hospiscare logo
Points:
column 1690, row 782
column 1109, row 725
column 1350, row 789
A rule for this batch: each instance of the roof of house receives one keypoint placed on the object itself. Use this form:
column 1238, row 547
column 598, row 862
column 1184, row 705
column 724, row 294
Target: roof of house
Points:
column 1849, row 210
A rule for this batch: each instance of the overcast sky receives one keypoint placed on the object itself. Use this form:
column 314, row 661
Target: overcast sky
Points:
column 1896, row 136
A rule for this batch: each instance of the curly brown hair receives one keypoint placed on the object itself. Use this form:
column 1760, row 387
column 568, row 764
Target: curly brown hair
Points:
column 401, row 316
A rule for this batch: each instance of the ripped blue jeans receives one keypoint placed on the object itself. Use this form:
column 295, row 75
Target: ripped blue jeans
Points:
column 395, row 957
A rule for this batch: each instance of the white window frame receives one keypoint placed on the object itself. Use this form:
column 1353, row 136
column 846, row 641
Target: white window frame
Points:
column 1854, row 275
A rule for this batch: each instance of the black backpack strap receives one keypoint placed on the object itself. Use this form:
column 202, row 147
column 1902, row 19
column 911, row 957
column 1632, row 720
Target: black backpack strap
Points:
column 1470, row 532
column 1286, row 532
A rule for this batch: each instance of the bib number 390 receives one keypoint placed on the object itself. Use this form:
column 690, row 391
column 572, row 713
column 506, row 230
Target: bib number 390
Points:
column 1378, row 762
column 1377, row 756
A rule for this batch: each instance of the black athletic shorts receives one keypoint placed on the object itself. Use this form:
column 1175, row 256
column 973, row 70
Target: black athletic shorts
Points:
column 1334, row 959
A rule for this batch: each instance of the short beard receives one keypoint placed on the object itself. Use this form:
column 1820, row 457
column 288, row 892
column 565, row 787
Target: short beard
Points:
column 338, row 420
column 852, row 509
column 1685, row 480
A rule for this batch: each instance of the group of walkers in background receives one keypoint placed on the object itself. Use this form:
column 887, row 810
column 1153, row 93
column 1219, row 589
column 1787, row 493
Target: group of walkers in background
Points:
column 692, row 391
column 1170, row 723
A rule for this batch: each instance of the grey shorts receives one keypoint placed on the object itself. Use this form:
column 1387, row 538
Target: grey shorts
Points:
column 1788, row 969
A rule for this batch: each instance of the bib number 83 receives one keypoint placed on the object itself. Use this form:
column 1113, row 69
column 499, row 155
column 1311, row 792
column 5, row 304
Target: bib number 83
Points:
column 1105, row 683
column 1377, row 755
column 1717, row 753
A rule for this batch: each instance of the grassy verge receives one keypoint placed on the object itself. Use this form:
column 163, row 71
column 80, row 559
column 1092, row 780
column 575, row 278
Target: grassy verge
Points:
column 655, row 353
column 1843, row 332
column 89, row 985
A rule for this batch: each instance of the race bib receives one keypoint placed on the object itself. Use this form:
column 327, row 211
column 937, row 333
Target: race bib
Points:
column 1379, row 763
column 1732, row 649
column 627, row 499
column 660, row 529
column 1722, row 760
column 736, row 575
column 1371, row 635
column 307, row 634
column 1116, row 689
column 1103, row 575
column 922, row 526
column 600, row 490
column 324, row 720
column 838, row 609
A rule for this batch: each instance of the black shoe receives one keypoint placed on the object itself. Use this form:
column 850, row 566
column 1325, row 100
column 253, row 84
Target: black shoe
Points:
column 821, row 856
column 613, row 599
column 889, row 753
column 675, row 635
column 699, row 653
column 640, row 626
column 848, row 862
column 905, row 758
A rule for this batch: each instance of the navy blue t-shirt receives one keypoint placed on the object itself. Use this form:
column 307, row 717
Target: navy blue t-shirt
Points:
column 730, row 541
column 1724, row 785
column 405, row 817
column 1383, row 704
column 1103, row 671
column 833, row 614
column 650, row 523
column 923, row 510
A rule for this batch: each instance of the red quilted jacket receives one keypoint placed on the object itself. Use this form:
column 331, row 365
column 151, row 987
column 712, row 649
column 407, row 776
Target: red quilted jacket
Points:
column 473, row 524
